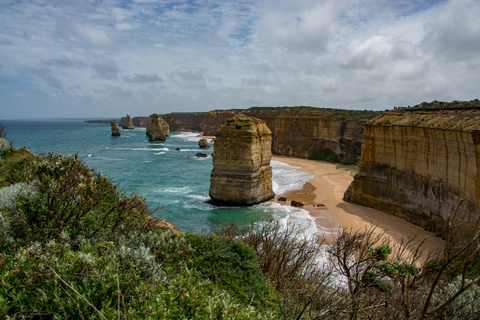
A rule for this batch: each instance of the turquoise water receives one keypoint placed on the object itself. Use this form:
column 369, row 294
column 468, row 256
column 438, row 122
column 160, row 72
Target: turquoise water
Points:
column 177, row 181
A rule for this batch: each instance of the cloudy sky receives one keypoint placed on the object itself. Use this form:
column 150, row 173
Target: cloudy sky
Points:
column 106, row 58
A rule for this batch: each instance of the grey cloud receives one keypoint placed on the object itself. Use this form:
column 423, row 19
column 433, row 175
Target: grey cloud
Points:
column 188, row 78
column 65, row 62
column 263, row 79
column 114, row 92
column 106, row 70
column 215, row 79
column 143, row 78
column 47, row 76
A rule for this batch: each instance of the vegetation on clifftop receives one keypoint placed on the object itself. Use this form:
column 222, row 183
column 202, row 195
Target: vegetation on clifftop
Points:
column 337, row 114
column 73, row 246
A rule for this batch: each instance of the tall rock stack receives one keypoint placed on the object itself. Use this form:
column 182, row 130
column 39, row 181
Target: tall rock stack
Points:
column 126, row 122
column 155, row 128
column 155, row 123
column 242, row 174
column 115, row 130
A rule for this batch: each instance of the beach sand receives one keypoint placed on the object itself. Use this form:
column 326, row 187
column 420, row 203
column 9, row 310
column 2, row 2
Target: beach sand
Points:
column 327, row 187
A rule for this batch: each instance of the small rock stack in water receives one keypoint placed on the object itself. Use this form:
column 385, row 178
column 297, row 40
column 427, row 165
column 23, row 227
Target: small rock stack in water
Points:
column 242, row 174
column 157, row 128
column 115, row 130
column 126, row 122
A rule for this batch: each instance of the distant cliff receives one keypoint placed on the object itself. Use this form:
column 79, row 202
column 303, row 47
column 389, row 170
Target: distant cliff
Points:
column 178, row 121
column 422, row 165
column 317, row 133
column 333, row 135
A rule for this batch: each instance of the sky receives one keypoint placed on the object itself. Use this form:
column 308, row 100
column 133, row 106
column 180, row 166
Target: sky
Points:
column 107, row 58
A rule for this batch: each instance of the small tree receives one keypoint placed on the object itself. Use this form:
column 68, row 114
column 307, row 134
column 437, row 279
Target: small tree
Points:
column 2, row 131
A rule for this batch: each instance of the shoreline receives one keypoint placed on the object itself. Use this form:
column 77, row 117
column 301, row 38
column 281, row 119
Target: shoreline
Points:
column 326, row 189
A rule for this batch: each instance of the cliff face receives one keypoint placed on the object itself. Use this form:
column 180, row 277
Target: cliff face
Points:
column 214, row 119
column 178, row 122
column 185, row 121
column 241, row 173
column 301, row 131
column 423, row 166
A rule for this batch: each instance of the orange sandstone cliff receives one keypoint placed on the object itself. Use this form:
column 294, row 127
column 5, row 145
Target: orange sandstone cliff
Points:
column 305, row 132
column 422, row 165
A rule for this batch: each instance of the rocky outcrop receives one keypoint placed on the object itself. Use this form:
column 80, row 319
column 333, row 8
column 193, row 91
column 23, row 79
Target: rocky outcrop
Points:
column 115, row 130
column 423, row 166
column 241, row 174
column 203, row 143
column 306, row 132
column 126, row 122
column 156, row 128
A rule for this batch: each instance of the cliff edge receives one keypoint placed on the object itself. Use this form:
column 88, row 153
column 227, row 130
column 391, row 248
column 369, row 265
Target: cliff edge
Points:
column 422, row 165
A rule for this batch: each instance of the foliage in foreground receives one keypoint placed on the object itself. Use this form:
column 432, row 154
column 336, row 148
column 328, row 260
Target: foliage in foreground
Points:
column 73, row 246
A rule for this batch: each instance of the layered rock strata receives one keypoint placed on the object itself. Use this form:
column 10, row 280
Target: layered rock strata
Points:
column 423, row 166
column 115, row 130
column 305, row 132
column 241, row 174
column 157, row 128
column 126, row 122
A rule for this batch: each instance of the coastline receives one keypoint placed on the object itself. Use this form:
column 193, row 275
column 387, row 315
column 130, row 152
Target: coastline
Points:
column 326, row 189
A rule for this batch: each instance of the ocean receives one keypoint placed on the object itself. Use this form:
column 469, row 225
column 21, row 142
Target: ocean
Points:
column 176, row 181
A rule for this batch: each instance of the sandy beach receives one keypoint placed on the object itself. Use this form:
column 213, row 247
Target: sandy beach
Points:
column 326, row 189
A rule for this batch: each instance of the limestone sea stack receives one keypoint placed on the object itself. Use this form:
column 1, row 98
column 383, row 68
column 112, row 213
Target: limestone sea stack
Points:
column 115, row 130
column 157, row 128
column 154, row 121
column 126, row 122
column 241, row 174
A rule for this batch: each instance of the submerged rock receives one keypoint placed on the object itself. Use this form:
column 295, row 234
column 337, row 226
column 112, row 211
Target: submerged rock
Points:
column 242, row 174
column 201, row 155
column 115, row 130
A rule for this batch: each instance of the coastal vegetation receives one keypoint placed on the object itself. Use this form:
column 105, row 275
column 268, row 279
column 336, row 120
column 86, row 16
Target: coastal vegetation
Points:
column 74, row 246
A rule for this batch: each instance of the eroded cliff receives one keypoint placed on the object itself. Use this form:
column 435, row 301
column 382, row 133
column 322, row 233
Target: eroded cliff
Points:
column 178, row 121
column 306, row 132
column 423, row 166
column 241, row 173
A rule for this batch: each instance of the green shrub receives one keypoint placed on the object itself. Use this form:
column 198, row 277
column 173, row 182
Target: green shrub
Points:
column 324, row 155
column 231, row 264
